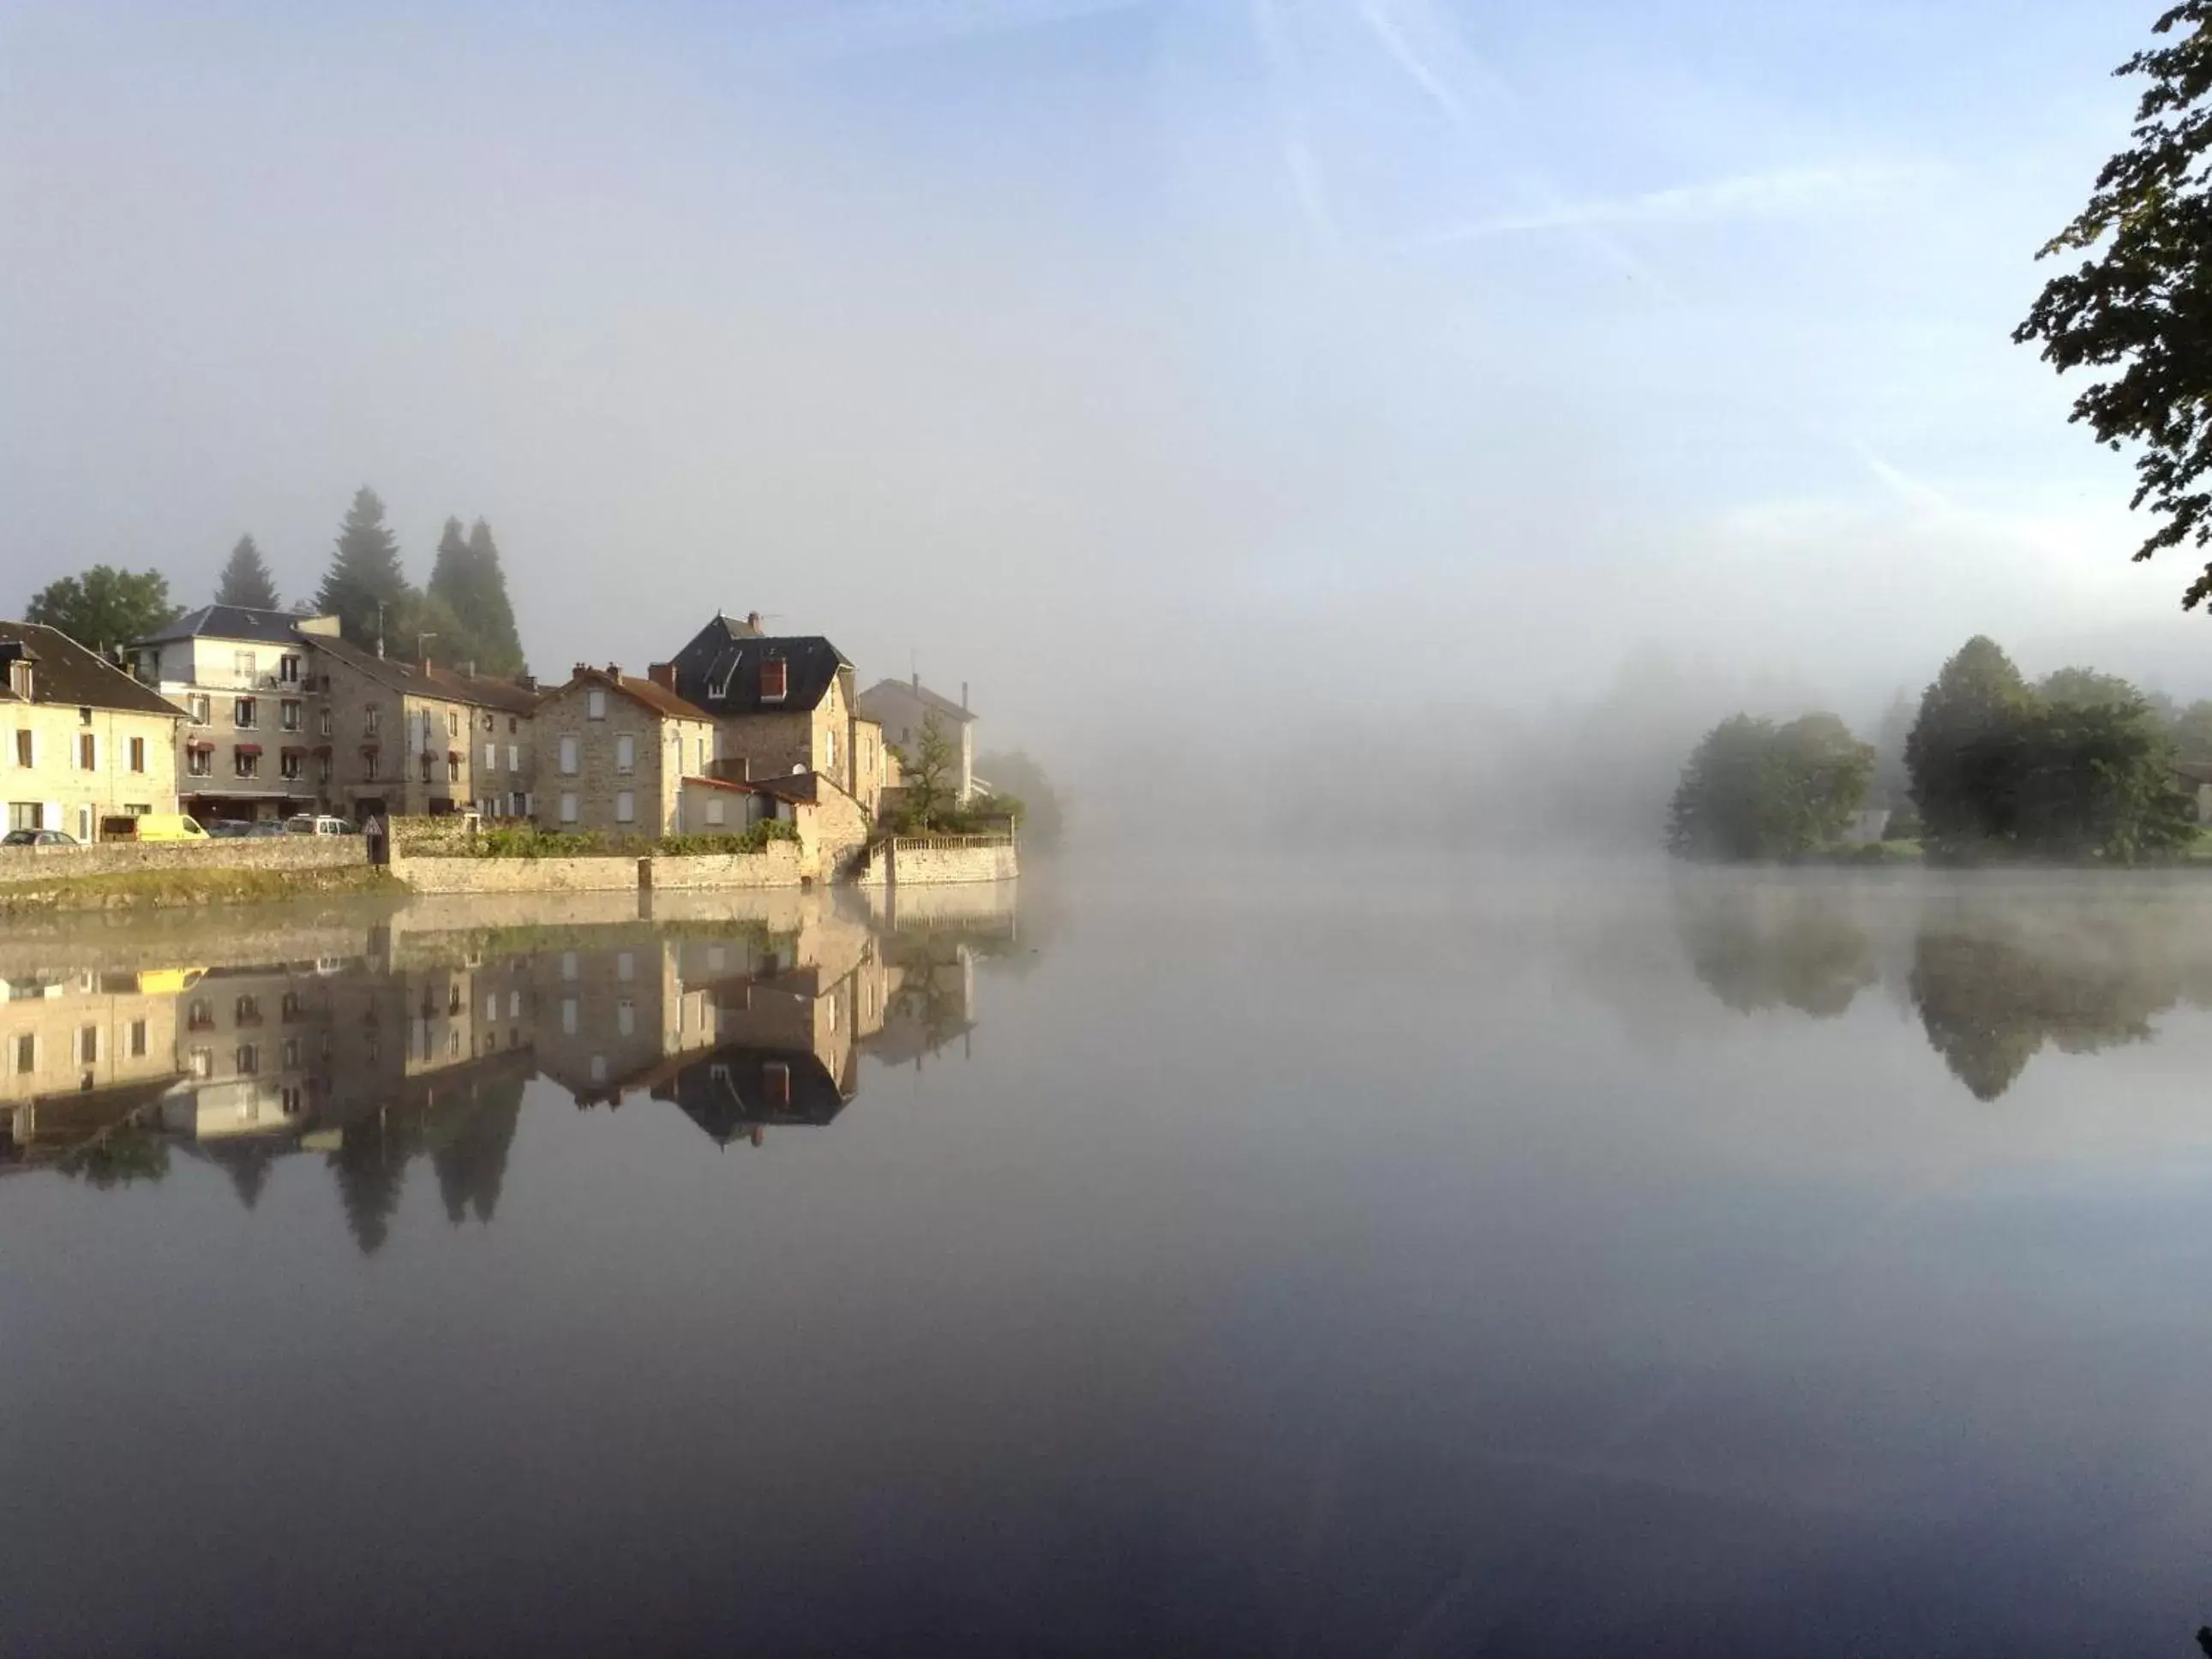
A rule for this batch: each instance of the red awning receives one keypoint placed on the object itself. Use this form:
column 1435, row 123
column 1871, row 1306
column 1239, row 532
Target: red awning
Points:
column 290, row 751
column 247, row 748
column 199, row 746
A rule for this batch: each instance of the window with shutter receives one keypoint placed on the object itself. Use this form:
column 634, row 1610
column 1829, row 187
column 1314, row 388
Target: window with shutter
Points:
column 774, row 678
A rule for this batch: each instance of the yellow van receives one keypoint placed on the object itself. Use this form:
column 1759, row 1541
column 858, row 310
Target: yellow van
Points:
column 152, row 826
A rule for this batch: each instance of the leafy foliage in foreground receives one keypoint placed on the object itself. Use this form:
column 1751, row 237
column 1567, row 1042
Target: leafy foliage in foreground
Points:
column 2138, row 304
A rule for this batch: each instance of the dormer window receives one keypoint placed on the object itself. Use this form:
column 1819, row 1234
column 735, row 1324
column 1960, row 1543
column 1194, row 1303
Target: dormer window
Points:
column 773, row 679
column 595, row 704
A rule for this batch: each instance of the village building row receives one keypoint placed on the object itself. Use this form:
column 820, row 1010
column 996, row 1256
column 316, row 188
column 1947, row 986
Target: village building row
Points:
column 232, row 712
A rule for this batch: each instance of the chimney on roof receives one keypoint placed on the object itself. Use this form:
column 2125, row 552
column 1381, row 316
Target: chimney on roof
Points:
column 662, row 674
column 470, row 669
column 753, row 621
column 614, row 671
column 527, row 681
column 425, row 665
column 963, row 696
column 581, row 668
column 917, row 682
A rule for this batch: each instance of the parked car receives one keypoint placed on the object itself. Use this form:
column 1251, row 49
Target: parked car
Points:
column 38, row 838
column 152, row 826
column 310, row 823
column 262, row 828
column 230, row 829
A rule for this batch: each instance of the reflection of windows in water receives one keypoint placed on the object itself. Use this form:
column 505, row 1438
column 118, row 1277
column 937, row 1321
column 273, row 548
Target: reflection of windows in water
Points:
column 327, row 1046
column 202, row 1062
column 626, row 1017
column 568, row 964
column 375, row 1051
column 491, row 1006
column 625, row 967
column 715, row 958
column 569, row 1015
column 290, row 1008
column 26, row 1053
column 137, row 1039
column 248, row 1010
column 514, row 1004
column 291, row 1053
column 599, row 1068
column 452, row 1042
column 294, row 1098
column 87, row 1046
column 776, row 1082
column 453, row 998
column 200, row 1015
column 249, row 1058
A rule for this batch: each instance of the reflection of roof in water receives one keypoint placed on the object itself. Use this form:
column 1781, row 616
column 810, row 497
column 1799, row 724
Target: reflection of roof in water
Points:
column 729, row 1091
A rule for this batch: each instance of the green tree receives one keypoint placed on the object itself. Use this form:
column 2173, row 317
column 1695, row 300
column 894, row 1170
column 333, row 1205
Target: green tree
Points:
column 421, row 625
column 2086, row 687
column 926, row 775
column 1825, row 771
column 470, row 579
column 365, row 571
column 1961, row 755
column 245, row 580
column 2138, row 305
column 105, row 609
column 1752, row 790
column 2097, row 782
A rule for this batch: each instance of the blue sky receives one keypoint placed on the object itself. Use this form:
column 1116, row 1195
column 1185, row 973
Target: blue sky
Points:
column 1502, row 339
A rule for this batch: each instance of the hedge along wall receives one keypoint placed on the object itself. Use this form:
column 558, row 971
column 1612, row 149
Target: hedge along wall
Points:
column 244, row 853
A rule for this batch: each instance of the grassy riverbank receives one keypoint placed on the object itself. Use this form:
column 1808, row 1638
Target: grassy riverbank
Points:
column 177, row 889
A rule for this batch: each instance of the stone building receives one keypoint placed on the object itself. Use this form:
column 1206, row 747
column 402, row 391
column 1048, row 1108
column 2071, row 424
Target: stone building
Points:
column 782, row 704
column 902, row 709
column 411, row 739
column 618, row 751
column 257, row 742
column 84, row 741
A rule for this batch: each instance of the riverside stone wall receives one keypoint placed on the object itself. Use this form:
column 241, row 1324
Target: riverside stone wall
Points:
column 592, row 875
column 921, row 860
column 43, row 864
column 776, row 864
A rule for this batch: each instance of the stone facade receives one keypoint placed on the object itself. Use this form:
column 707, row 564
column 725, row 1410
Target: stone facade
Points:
column 914, row 861
column 592, row 875
column 409, row 740
column 618, row 750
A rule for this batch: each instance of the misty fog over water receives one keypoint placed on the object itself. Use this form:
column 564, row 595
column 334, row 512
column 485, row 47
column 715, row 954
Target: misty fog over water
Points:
column 1567, row 1258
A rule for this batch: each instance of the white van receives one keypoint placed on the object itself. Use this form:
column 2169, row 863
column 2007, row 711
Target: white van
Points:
column 309, row 824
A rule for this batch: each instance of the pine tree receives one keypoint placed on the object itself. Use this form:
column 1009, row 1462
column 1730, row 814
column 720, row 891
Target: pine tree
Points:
column 490, row 616
column 245, row 580
column 365, row 570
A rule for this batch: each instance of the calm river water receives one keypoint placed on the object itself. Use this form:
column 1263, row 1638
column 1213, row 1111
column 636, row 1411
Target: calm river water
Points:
column 1589, row 1262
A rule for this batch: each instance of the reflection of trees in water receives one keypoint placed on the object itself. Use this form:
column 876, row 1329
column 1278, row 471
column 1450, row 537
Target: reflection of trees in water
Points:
column 466, row 1136
column 471, row 1160
column 128, row 1152
column 1992, row 975
column 1768, row 948
column 1988, row 1002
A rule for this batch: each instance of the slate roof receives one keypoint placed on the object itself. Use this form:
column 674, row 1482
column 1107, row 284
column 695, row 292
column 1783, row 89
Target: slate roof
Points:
column 726, row 1093
column 720, row 670
column 479, row 690
column 65, row 674
column 930, row 699
column 659, row 698
column 231, row 622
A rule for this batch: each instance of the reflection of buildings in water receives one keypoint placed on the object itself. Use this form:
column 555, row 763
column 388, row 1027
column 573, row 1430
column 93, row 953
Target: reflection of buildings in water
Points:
column 418, row 1046
column 81, row 1053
